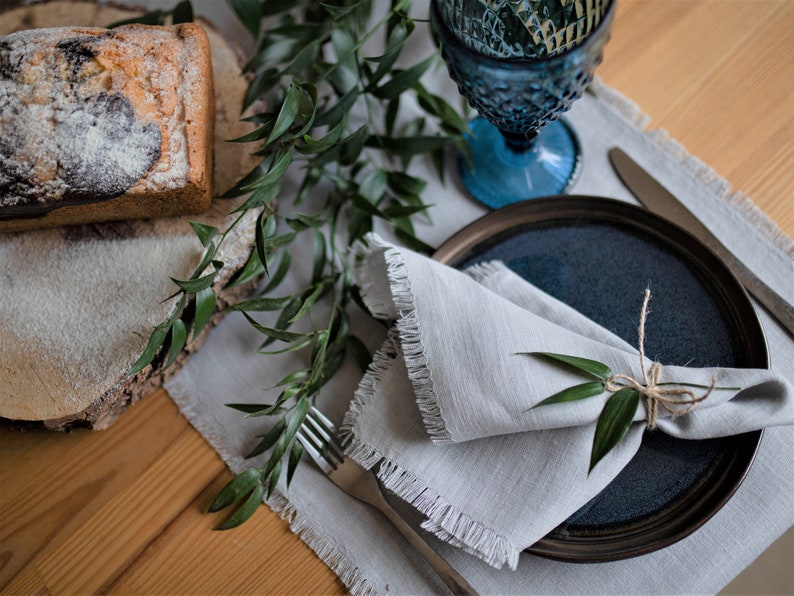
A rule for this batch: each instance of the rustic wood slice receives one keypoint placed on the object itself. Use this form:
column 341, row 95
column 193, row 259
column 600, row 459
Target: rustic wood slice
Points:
column 77, row 304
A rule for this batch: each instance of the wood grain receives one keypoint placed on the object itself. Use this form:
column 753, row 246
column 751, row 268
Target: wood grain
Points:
column 122, row 511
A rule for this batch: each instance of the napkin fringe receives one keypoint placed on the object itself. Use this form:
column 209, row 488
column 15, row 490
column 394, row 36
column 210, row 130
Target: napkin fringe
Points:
column 315, row 538
column 447, row 521
column 407, row 324
column 444, row 520
column 371, row 293
column 367, row 388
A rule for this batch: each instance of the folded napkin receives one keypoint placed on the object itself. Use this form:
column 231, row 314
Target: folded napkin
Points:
column 447, row 403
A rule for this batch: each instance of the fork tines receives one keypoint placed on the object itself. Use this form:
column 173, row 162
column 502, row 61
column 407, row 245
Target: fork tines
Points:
column 317, row 434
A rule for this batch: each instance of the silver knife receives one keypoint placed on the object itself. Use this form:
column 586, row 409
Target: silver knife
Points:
column 661, row 201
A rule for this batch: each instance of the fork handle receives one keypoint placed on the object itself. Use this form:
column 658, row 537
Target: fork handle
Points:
column 445, row 571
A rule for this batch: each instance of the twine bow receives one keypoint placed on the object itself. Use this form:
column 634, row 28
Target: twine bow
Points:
column 674, row 399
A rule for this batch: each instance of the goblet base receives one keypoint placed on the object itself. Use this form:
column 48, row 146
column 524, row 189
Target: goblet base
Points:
column 497, row 175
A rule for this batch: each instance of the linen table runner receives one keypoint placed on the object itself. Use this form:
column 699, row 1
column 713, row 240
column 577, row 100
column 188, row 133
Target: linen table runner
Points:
column 360, row 545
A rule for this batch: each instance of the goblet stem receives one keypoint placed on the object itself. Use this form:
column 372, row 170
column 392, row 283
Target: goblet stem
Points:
column 502, row 167
column 519, row 143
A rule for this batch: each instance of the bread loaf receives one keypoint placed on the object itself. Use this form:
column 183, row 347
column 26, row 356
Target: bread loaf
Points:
column 104, row 124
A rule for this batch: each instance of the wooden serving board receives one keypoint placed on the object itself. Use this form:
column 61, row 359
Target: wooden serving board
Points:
column 77, row 304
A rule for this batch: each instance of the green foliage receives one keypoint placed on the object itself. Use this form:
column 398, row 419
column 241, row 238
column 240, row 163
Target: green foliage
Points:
column 618, row 413
column 614, row 422
column 333, row 116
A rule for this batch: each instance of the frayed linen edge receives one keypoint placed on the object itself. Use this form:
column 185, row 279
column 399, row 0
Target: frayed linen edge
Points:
column 444, row 520
column 363, row 251
column 367, row 388
column 315, row 538
column 695, row 167
column 410, row 340
column 310, row 533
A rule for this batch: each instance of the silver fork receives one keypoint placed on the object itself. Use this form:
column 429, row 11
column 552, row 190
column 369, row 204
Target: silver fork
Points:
column 318, row 437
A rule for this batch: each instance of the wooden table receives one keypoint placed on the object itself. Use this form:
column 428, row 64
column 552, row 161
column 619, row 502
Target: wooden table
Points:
column 123, row 510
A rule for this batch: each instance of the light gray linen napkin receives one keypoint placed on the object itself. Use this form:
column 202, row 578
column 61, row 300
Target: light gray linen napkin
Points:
column 448, row 401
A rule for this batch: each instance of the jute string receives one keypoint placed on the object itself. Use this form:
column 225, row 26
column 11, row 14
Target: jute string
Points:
column 674, row 399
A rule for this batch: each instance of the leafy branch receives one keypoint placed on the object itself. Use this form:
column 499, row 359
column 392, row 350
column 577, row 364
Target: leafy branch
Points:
column 334, row 120
column 618, row 413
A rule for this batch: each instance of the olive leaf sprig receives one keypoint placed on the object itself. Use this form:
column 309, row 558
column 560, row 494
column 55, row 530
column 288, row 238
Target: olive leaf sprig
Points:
column 334, row 118
column 364, row 165
column 618, row 413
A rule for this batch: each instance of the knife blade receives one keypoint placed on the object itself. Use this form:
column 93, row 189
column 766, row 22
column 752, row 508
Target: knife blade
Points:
column 658, row 199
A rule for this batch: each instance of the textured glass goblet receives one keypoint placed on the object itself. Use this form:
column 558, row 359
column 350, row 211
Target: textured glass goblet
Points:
column 519, row 149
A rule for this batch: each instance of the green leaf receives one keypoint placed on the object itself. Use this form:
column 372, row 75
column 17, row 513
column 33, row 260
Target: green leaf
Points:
column 254, row 409
column 264, row 304
column 296, row 419
column 287, row 113
column 361, row 203
column 205, row 306
column 271, row 332
column 291, row 348
column 253, row 268
column 309, row 301
column 403, row 80
column 386, row 61
column 408, row 146
column 280, row 274
column 614, row 422
column 333, row 115
column 374, row 185
column 352, row 146
column 405, row 185
column 590, row 367
column 178, row 339
column 318, row 264
column 195, row 285
column 156, row 340
column 295, row 454
column 299, row 221
column 265, row 229
column 345, row 76
column 397, row 211
column 206, row 259
column 269, row 439
column 281, row 162
column 236, row 488
column 204, row 232
column 271, row 7
column 249, row 12
column 575, row 393
column 358, row 350
column 294, row 376
column 245, row 182
column 259, row 133
column 439, row 107
column 262, row 196
column 274, row 474
column 262, row 83
column 246, row 510
column 182, row 13
column 305, row 56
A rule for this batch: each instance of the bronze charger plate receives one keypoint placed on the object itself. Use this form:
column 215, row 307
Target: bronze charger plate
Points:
column 598, row 255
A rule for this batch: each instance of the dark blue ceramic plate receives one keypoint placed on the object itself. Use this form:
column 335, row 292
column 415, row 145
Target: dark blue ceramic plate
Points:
column 599, row 255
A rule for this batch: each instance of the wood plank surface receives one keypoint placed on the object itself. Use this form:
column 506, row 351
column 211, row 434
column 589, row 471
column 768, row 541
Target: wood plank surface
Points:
column 122, row 510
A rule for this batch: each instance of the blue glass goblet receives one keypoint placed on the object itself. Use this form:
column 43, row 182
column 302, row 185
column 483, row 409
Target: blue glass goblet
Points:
column 519, row 149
